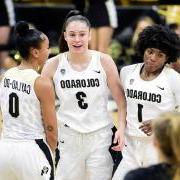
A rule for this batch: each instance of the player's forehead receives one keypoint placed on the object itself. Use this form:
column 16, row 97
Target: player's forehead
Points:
column 77, row 26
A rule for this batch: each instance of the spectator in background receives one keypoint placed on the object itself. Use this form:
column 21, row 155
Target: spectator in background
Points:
column 176, row 28
column 166, row 139
column 102, row 15
column 7, row 20
column 128, row 39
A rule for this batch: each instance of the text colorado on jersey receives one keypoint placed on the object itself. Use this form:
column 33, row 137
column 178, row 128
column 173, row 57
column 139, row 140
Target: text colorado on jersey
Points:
column 79, row 83
column 131, row 93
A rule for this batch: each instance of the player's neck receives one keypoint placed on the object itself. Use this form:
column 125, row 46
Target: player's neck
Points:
column 78, row 58
column 148, row 76
column 28, row 65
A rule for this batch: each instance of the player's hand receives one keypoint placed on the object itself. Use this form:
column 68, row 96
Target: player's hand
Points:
column 146, row 127
column 118, row 141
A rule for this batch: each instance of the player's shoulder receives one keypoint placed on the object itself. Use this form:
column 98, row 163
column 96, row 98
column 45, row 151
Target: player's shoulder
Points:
column 53, row 60
column 171, row 74
column 51, row 65
column 170, row 71
column 130, row 68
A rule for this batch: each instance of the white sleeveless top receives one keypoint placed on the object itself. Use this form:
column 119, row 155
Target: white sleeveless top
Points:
column 20, row 107
column 148, row 99
column 83, row 95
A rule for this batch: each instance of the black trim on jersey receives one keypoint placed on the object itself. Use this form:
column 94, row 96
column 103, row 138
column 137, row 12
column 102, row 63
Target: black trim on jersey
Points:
column 57, row 158
column 43, row 146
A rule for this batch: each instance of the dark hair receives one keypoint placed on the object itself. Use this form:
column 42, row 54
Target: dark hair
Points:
column 73, row 15
column 25, row 38
column 162, row 38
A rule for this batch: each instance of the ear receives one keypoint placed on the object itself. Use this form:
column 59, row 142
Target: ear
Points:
column 65, row 36
column 34, row 52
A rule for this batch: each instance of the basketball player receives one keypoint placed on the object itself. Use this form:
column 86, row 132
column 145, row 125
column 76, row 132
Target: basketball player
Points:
column 29, row 134
column 151, row 88
column 82, row 78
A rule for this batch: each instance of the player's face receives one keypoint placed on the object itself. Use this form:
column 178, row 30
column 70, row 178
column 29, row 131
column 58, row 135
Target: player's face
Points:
column 77, row 36
column 154, row 59
column 44, row 51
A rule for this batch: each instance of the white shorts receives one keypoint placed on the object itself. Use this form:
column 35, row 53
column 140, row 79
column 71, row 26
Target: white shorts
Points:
column 25, row 160
column 138, row 152
column 84, row 156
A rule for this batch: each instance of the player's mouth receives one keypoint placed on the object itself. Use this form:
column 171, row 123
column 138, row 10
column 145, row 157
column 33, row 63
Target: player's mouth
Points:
column 77, row 46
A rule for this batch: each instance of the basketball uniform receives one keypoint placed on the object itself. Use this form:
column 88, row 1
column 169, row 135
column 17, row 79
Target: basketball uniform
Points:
column 24, row 153
column 85, row 124
column 146, row 100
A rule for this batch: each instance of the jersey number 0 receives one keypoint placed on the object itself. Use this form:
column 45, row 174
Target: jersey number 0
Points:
column 14, row 105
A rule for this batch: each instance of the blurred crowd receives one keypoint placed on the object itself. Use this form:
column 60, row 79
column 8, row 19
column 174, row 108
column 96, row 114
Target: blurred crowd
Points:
column 118, row 41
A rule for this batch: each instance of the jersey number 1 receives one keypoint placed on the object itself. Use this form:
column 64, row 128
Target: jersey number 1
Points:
column 140, row 107
column 14, row 105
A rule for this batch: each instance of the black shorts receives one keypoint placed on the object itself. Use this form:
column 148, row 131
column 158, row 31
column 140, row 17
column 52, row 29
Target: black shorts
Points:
column 102, row 13
column 7, row 15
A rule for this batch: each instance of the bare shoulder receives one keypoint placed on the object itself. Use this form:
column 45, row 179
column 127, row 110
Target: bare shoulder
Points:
column 50, row 66
column 43, row 86
column 107, row 62
column 106, row 58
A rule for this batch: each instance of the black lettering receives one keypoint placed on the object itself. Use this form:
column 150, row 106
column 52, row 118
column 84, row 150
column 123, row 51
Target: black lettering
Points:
column 83, row 83
column 139, row 95
column 144, row 95
column 73, row 84
column 62, row 84
column 158, row 98
column 88, row 83
column 78, row 83
column 153, row 97
column 96, row 82
column 135, row 94
column 28, row 89
column 68, row 84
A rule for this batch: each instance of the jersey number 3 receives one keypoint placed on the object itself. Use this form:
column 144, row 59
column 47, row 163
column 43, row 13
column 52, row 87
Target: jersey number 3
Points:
column 14, row 105
column 80, row 97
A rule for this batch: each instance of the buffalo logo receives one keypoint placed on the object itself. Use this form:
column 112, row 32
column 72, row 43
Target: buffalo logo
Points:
column 44, row 170
column 131, row 81
column 63, row 71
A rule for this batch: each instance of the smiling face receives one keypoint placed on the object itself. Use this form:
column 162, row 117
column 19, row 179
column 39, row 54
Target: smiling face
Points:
column 77, row 36
column 154, row 59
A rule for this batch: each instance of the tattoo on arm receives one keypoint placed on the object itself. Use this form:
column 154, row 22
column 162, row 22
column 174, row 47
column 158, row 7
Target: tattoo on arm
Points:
column 49, row 128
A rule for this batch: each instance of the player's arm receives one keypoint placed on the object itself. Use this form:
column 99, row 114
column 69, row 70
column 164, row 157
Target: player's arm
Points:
column 117, row 92
column 45, row 93
column 50, row 68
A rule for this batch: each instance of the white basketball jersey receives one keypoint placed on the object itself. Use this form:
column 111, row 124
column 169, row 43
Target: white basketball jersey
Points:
column 148, row 99
column 82, row 95
column 20, row 107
